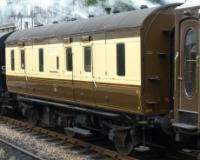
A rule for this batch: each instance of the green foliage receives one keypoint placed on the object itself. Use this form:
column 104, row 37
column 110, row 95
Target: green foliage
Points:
column 94, row 2
column 156, row 1
column 90, row 2
column 121, row 6
column 11, row 158
column 4, row 156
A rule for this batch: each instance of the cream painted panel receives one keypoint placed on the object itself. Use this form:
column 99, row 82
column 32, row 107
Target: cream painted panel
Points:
column 8, row 61
column 8, row 65
column 63, row 62
column 50, row 66
column 133, row 61
column 35, row 64
column 50, row 61
column 87, row 76
column 29, row 61
column 17, row 58
column 111, row 61
column 18, row 61
column 77, row 61
column 104, row 63
column 99, row 61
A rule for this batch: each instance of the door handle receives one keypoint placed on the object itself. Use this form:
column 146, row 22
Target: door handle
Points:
column 95, row 84
column 197, row 61
column 25, row 75
column 175, row 70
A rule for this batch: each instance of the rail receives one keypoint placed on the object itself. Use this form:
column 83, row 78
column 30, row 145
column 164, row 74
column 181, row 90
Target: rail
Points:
column 59, row 136
column 25, row 152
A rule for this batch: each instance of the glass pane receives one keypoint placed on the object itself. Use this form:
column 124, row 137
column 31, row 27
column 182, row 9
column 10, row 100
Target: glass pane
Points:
column 190, row 53
column 69, row 59
column 22, row 59
column 57, row 62
column 12, row 60
column 121, row 59
column 41, row 60
column 87, row 59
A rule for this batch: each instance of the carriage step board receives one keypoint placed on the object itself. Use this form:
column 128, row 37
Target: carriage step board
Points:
column 79, row 131
column 185, row 126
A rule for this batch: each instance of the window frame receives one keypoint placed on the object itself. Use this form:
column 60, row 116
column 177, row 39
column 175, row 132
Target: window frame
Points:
column 57, row 62
column 189, row 61
column 86, row 69
column 12, row 58
column 121, row 62
column 41, row 60
column 23, row 59
column 69, row 59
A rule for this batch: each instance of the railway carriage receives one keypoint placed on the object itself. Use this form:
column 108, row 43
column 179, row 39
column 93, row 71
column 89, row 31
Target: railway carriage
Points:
column 3, row 88
column 186, row 90
column 110, row 74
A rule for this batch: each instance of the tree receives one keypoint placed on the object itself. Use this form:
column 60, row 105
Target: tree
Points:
column 121, row 6
column 156, row 1
column 90, row 2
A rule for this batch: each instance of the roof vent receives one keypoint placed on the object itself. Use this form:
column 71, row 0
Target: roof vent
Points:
column 73, row 19
column 86, row 38
column 90, row 16
column 108, row 10
column 116, row 11
column 55, row 22
column 39, row 25
column 68, row 39
column 143, row 6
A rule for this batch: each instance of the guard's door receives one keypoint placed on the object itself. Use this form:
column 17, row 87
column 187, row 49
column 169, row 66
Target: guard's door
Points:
column 189, row 70
column 83, row 80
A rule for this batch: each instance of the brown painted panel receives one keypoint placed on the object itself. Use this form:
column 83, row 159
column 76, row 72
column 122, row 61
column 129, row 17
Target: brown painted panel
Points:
column 156, row 37
column 187, row 103
column 184, row 111
column 116, row 97
column 42, row 87
column 126, row 98
column 16, row 83
column 61, row 89
column 83, row 92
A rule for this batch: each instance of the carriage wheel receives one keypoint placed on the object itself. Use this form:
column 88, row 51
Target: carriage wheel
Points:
column 33, row 116
column 124, row 142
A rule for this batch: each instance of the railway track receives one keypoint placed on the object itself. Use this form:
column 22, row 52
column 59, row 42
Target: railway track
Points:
column 21, row 150
column 86, row 146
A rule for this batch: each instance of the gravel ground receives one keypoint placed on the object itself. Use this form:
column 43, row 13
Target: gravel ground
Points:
column 41, row 147
column 13, row 154
column 51, row 150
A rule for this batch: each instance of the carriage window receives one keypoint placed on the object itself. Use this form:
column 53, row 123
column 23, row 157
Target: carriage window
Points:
column 12, row 60
column 190, row 54
column 22, row 59
column 69, row 59
column 57, row 62
column 121, row 59
column 87, row 59
column 41, row 60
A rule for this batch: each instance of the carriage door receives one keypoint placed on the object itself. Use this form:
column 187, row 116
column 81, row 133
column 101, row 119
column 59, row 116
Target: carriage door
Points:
column 189, row 72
